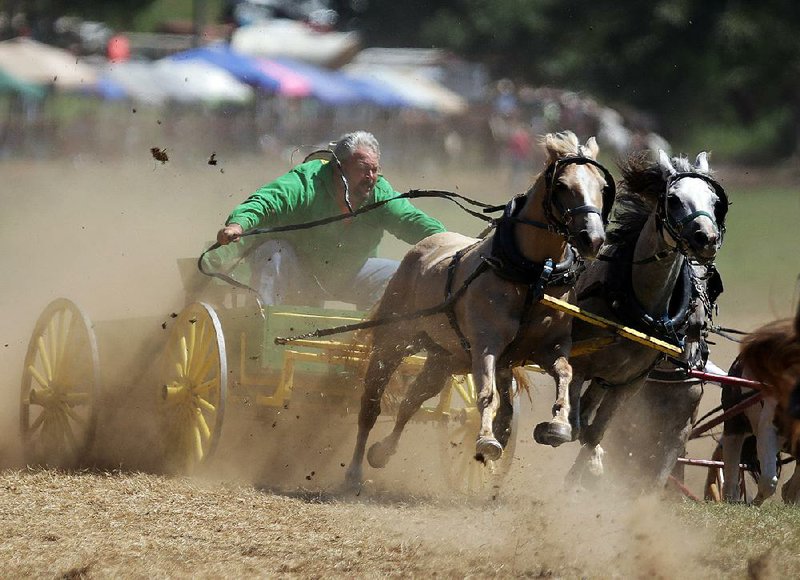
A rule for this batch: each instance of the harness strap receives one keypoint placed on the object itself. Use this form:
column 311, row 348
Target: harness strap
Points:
column 425, row 312
column 609, row 385
column 448, row 294
column 533, row 294
column 534, row 223
column 657, row 257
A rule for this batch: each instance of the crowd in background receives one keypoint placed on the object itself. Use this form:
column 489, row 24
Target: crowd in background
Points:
column 499, row 127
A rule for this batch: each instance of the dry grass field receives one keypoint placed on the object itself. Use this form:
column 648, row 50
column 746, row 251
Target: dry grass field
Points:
column 107, row 235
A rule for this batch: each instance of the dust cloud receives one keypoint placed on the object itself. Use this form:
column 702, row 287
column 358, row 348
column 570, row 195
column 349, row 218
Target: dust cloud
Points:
column 108, row 235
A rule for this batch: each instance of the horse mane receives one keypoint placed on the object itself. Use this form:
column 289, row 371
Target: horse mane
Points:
column 772, row 351
column 562, row 144
column 641, row 185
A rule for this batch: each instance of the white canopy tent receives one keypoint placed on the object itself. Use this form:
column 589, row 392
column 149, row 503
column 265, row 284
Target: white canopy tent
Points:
column 183, row 81
column 292, row 39
column 42, row 64
column 413, row 85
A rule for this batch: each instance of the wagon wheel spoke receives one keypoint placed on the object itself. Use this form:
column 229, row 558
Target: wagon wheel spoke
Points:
column 459, row 429
column 60, row 383
column 192, row 388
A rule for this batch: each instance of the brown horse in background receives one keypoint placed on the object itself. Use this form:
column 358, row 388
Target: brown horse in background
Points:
column 771, row 355
column 494, row 321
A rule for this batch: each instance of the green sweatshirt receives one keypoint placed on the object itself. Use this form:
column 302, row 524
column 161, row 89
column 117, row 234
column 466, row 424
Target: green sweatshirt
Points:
column 339, row 249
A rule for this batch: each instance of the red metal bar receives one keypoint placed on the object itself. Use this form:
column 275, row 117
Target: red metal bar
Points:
column 735, row 410
column 726, row 380
column 685, row 490
column 708, row 463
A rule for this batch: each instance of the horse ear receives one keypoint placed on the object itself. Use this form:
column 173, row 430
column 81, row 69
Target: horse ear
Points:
column 592, row 148
column 701, row 163
column 665, row 164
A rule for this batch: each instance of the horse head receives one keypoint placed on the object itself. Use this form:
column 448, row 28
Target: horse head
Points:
column 578, row 191
column 693, row 207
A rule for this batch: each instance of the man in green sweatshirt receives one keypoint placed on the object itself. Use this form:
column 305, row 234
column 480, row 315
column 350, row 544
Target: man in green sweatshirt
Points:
column 337, row 261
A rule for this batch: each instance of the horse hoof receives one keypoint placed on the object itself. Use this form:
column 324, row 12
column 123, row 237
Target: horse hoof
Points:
column 488, row 449
column 377, row 456
column 552, row 433
column 353, row 481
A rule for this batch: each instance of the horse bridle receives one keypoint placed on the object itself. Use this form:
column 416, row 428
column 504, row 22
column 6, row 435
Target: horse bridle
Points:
column 675, row 228
column 551, row 200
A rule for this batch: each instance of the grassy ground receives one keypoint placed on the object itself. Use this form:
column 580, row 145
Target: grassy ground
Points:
column 759, row 262
column 761, row 542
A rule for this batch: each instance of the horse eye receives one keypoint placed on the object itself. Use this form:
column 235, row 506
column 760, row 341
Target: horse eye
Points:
column 674, row 201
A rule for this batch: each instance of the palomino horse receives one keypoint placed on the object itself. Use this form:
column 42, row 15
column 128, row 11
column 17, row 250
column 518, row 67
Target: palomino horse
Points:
column 493, row 321
column 668, row 211
column 770, row 354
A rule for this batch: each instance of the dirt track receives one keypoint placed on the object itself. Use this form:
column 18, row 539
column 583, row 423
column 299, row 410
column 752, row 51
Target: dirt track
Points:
column 108, row 236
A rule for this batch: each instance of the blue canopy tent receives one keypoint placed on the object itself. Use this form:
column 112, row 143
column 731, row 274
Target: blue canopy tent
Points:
column 327, row 86
column 243, row 68
column 335, row 88
column 378, row 93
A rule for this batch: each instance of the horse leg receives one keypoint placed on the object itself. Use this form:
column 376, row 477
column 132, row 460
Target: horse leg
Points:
column 593, row 433
column 558, row 430
column 790, row 491
column 589, row 403
column 487, row 447
column 429, row 382
column 767, row 448
column 731, row 456
column 678, row 427
column 501, row 426
column 382, row 364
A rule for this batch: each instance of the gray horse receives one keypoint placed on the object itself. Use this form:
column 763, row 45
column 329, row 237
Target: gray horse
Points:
column 667, row 213
column 648, row 435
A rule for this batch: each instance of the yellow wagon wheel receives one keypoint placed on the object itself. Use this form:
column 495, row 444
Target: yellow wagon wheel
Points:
column 60, row 383
column 459, row 427
column 193, row 385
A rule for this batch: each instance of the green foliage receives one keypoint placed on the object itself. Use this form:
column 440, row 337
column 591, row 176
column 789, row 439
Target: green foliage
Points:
column 116, row 13
column 689, row 63
column 160, row 11
column 761, row 142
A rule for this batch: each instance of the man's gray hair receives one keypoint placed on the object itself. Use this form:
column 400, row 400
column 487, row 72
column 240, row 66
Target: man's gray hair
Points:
column 349, row 142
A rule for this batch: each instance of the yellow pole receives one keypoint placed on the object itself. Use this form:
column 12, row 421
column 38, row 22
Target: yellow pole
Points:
column 629, row 333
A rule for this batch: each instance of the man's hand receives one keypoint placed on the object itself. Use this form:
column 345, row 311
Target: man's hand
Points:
column 230, row 233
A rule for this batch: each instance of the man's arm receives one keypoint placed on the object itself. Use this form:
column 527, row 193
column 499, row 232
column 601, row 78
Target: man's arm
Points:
column 279, row 197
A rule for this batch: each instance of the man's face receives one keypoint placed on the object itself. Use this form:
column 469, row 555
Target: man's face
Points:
column 361, row 172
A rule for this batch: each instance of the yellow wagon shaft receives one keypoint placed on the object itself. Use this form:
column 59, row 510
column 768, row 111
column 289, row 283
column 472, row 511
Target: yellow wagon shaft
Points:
column 625, row 331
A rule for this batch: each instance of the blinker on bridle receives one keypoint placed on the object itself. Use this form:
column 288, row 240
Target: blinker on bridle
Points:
column 675, row 228
column 550, row 200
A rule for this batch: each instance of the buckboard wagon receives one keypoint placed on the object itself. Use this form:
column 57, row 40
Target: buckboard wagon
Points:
column 172, row 383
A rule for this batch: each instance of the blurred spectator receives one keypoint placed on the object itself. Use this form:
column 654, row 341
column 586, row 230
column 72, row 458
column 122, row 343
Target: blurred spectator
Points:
column 505, row 104
column 520, row 149
column 119, row 49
